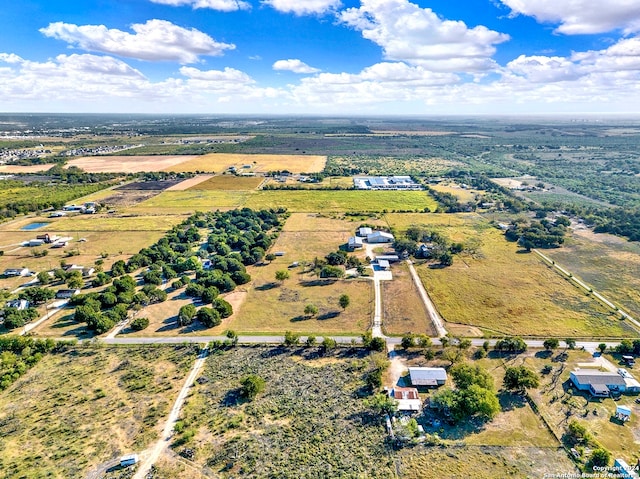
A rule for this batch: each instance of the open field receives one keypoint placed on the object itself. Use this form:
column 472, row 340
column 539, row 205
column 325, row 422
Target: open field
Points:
column 504, row 291
column 62, row 325
column 273, row 307
column 229, row 182
column 189, row 182
column 77, row 409
column 328, row 182
column 183, row 202
column 415, row 164
column 8, row 169
column 403, row 309
column 607, row 263
column 343, row 201
column 128, row 164
column 219, row 162
column 482, row 462
column 464, row 194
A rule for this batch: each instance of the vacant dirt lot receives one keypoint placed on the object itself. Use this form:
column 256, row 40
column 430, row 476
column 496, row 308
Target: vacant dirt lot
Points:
column 129, row 164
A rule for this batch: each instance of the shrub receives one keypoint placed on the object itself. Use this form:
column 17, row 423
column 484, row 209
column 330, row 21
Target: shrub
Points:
column 139, row 324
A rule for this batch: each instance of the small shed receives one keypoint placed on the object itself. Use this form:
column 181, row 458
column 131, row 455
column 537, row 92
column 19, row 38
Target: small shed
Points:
column 383, row 264
column 364, row 231
column 623, row 413
column 354, row 242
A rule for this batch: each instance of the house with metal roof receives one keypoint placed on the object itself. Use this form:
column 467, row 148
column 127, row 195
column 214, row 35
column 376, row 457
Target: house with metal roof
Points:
column 598, row 383
column 380, row 237
column 354, row 242
column 427, row 376
column 407, row 399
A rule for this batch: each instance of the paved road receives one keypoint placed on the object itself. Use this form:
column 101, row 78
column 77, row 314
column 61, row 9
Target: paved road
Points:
column 153, row 455
column 435, row 318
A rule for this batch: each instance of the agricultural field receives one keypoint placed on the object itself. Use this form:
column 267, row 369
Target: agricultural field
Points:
column 129, row 164
column 390, row 165
column 79, row 408
column 272, row 306
column 229, row 183
column 9, row 169
column 342, row 201
column 505, row 291
column 607, row 263
column 218, row 162
column 189, row 201
column 403, row 309
column 464, row 195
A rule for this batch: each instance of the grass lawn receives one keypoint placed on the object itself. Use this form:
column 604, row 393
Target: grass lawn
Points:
column 77, row 409
column 503, row 291
column 342, row 201
column 229, row 183
column 403, row 309
column 607, row 263
column 221, row 161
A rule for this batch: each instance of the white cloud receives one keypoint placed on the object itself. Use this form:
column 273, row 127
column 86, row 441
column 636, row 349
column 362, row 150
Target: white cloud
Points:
column 581, row 16
column 295, row 66
column 304, row 7
column 221, row 5
column 10, row 58
column 419, row 36
column 155, row 40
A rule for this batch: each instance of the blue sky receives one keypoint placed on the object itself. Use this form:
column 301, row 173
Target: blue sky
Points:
column 321, row 56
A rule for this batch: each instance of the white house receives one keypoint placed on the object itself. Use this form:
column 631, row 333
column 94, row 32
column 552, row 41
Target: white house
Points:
column 17, row 272
column 380, row 237
column 427, row 376
column 19, row 304
column 406, row 398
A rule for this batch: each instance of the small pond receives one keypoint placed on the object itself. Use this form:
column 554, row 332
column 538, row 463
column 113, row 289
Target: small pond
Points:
column 34, row 226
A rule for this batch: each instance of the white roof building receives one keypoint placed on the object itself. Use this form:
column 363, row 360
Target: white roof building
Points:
column 428, row 376
column 380, row 237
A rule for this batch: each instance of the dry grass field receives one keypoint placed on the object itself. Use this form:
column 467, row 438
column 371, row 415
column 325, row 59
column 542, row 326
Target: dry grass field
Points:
column 130, row 164
column 62, row 325
column 273, row 307
column 77, row 409
column 463, row 194
column 189, row 183
column 504, row 291
column 403, row 309
column 609, row 264
column 8, row 169
column 229, row 183
column 218, row 162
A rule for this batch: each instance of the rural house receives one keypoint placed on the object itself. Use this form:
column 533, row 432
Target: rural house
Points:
column 406, row 398
column 354, row 242
column 67, row 293
column 364, row 231
column 16, row 272
column 601, row 383
column 427, row 376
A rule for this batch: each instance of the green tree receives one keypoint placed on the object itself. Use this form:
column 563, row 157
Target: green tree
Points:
column 602, row 347
column 251, row 386
column 186, row 314
column 464, row 375
column 344, row 301
column 520, row 378
column 577, row 433
column 291, row 338
column 328, row 343
column 381, row 404
column 74, row 280
column 600, row 457
column 424, row 341
column 551, row 343
column 44, row 277
column 464, row 344
column 571, row 343
column 209, row 317
column 377, row 344
column 310, row 310
column 408, row 341
column 223, row 307
column 37, row 295
column 281, row 275
column 139, row 324
column 311, row 340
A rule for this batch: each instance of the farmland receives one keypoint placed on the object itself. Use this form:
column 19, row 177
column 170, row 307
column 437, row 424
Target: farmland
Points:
column 229, row 182
column 503, row 291
column 128, row 164
column 79, row 408
column 218, row 162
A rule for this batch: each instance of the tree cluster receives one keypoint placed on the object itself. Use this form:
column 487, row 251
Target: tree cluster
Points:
column 474, row 395
column 538, row 234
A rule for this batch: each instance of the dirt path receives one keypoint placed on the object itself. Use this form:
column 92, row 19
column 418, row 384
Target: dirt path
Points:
column 152, row 455
column 438, row 324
